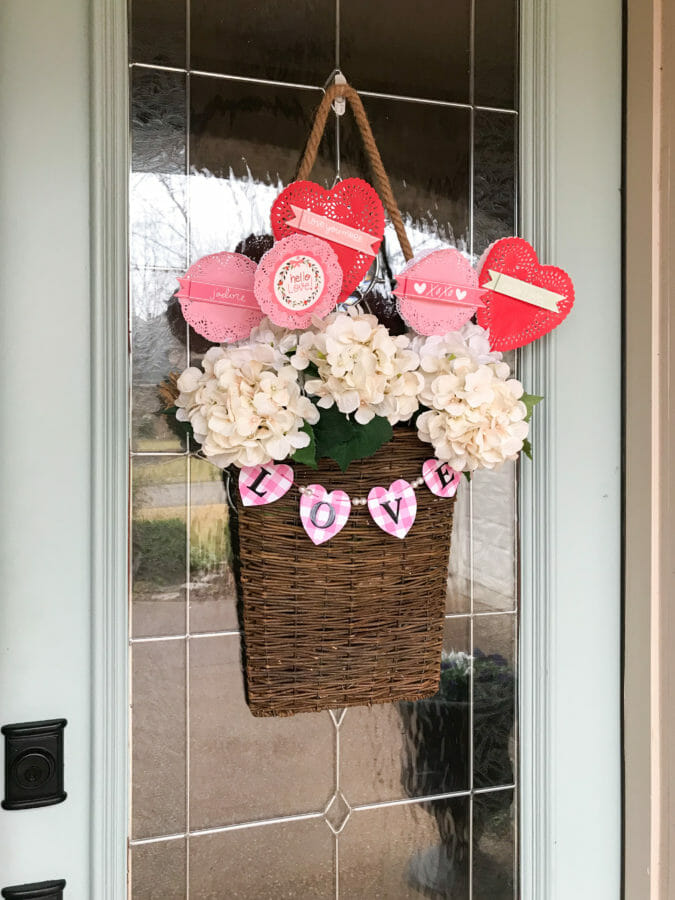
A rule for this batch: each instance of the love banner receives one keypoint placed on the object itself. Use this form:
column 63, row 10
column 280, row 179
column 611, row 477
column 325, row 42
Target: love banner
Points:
column 324, row 513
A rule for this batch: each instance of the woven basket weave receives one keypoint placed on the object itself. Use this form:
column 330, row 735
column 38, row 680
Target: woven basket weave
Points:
column 357, row 620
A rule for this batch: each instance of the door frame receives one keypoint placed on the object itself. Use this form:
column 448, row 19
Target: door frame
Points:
column 571, row 88
column 649, row 668
column 110, row 159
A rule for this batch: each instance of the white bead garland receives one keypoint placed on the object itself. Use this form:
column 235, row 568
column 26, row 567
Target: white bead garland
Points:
column 360, row 501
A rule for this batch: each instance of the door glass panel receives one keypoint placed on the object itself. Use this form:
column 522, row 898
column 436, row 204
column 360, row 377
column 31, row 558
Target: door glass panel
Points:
column 397, row 800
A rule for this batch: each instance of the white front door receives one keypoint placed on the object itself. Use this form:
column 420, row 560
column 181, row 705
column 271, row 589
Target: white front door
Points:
column 63, row 619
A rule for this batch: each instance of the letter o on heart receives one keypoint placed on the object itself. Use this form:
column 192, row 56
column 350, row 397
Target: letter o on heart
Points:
column 314, row 514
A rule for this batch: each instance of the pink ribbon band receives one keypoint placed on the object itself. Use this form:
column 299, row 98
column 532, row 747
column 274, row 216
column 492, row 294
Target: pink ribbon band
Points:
column 219, row 294
column 439, row 291
column 330, row 230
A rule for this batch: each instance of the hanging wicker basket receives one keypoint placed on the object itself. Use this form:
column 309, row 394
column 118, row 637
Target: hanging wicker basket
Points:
column 357, row 620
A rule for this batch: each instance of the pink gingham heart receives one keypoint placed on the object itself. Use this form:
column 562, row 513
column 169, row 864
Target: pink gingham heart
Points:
column 440, row 478
column 393, row 510
column 323, row 514
column 259, row 485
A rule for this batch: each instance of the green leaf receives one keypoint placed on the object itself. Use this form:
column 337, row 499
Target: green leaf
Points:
column 527, row 448
column 530, row 401
column 306, row 456
column 467, row 474
column 332, row 428
column 182, row 430
column 344, row 440
column 311, row 371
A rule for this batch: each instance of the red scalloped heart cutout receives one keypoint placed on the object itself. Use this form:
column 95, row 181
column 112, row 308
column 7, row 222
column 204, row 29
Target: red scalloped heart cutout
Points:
column 352, row 202
column 513, row 323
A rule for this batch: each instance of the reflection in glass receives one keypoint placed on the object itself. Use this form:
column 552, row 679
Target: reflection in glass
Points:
column 158, row 870
column 459, row 567
column 496, row 54
column 277, row 40
column 156, row 350
column 157, row 121
column 494, row 824
column 393, row 751
column 256, row 129
column 407, row 851
column 157, row 32
column 416, row 52
column 436, row 730
column 244, row 768
column 158, row 545
column 213, row 594
column 289, row 859
column 494, row 184
column 494, row 701
column 494, row 538
column 158, row 746
column 157, row 199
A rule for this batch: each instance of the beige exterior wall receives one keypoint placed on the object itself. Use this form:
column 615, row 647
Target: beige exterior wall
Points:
column 650, row 436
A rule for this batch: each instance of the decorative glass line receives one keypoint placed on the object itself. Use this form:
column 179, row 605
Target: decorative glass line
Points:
column 303, row 817
column 249, row 79
column 472, row 179
column 235, row 632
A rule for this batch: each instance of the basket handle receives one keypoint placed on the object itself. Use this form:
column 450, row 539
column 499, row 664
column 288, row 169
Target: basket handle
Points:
column 381, row 177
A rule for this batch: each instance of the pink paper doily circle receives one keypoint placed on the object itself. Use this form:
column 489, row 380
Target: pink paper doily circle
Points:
column 298, row 278
column 217, row 297
column 455, row 283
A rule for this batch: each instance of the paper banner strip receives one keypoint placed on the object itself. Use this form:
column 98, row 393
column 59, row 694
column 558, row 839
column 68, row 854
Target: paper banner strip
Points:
column 439, row 291
column 220, row 294
column 522, row 290
column 331, row 230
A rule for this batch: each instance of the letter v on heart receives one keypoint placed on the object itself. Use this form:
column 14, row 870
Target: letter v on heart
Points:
column 393, row 510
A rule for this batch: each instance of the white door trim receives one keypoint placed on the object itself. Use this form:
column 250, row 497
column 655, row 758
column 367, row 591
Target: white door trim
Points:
column 536, row 158
column 561, row 855
column 110, row 447
column 570, row 757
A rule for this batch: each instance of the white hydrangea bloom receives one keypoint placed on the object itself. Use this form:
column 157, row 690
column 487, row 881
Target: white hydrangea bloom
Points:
column 245, row 405
column 362, row 369
column 475, row 416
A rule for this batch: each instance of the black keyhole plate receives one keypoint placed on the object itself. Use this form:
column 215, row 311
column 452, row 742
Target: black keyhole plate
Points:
column 33, row 764
column 43, row 890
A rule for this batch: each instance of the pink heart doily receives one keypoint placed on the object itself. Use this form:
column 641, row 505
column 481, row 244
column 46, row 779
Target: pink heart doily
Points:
column 513, row 323
column 352, row 203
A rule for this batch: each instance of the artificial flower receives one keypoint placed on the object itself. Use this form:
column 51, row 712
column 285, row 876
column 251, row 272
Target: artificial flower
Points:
column 360, row 368
column 475, row 417
column 245, row 405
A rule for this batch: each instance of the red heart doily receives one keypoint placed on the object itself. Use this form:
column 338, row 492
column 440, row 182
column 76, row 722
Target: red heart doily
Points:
column 352, row 203
column 513, row 323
